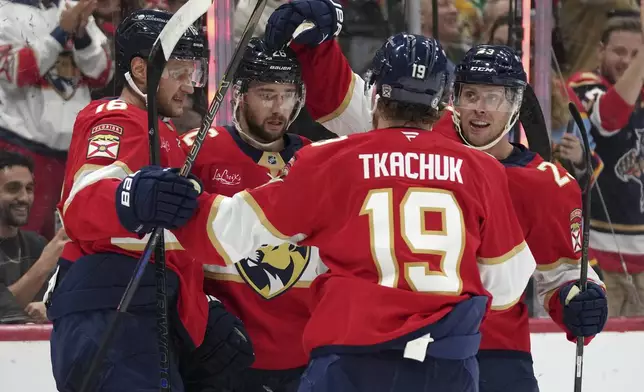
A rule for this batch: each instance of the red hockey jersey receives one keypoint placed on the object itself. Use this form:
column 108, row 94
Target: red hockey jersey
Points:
column 255, row 289
column 408, row 223
column 110, row 141
column 340, row 97
column 547, row 202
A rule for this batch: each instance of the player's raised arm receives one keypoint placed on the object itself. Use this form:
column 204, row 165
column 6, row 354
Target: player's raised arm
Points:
column 505, row 261
column 335, row 95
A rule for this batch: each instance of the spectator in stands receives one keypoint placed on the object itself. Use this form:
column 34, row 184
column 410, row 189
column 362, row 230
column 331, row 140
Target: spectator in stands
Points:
column 612, row 95
column 567, row 145
column 579, row 21
column 49, row 59
column 450, row 34
column 493, row 10
column 25, row 261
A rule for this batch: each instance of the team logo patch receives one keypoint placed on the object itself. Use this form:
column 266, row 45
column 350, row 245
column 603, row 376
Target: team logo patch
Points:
column 103, row 146
column 64, row 77
column 274, row 269
column 107, row 128
column 386, row 91
column 575, row 229
column 630, row 166
column 272, row 159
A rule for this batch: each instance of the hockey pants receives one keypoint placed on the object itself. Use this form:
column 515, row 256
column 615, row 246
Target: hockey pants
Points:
column 502, row 374
column 388, row 372
column 132, row 360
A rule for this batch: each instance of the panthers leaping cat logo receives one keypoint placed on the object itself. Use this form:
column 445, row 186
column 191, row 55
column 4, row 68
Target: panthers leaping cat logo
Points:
column 630, row 166
column 274, row 269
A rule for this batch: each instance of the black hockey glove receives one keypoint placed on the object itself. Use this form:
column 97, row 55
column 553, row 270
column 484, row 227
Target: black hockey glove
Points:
column 156, row 197
column 325, row 14
column 225, row 351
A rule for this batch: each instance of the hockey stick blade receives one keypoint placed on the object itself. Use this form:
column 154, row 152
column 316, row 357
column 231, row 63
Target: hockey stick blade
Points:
column 583, row 278
column 534, row 125
column 181, row 21
column 161, row 51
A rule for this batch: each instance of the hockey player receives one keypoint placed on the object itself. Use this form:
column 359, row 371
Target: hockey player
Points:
column 489, row 84
column 268, row 94
column 555, row 238
column 110, row 142
column 417, row 231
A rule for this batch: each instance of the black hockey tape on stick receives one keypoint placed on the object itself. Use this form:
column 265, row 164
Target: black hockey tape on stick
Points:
column 534, row 124
column 583, row 278
column 161, row 51
column 179, row 23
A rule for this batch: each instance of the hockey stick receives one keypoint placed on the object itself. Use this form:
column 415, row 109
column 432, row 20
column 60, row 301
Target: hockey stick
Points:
column 161, row 51
column 534, row 125
column 630, row 286
column 159, row 56
column 583, row 279
column 181, row 21
column 216, row 104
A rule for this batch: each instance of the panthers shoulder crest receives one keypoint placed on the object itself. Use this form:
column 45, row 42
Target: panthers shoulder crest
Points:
column 274, row 269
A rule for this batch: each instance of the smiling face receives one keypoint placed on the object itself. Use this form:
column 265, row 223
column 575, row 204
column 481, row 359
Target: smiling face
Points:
column 617, row 53
column 175, row 86
column 448, row 23
column 266, row 109
column 16, row 195
column 484, row 112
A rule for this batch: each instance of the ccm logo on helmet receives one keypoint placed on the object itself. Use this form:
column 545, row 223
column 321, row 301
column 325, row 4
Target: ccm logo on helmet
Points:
column 482, row 69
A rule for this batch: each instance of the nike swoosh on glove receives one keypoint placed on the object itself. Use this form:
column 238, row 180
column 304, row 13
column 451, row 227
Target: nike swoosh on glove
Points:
column 325, row 14
column 584, row 312
column 156, row 197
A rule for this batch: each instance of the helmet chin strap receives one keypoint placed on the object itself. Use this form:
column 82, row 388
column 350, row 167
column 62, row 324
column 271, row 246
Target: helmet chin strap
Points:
column 135, row 88
column 137, row 91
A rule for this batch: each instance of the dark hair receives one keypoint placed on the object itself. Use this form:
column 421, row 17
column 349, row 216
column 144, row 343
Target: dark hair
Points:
column 620, row 23
column 409, row 113
column 14, row 158
column 503, row 20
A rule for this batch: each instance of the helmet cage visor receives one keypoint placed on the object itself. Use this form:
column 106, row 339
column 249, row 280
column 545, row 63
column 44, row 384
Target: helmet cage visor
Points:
column 187, row 70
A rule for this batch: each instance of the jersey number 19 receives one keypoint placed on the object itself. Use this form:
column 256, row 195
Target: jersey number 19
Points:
column 448, row 242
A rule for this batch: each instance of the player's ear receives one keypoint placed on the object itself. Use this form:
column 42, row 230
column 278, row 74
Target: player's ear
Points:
column 138, row 67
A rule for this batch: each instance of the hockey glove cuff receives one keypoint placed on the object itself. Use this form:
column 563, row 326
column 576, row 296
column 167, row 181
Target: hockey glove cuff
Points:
column 584, row 313
column 325, row 14
column 156, row 197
